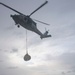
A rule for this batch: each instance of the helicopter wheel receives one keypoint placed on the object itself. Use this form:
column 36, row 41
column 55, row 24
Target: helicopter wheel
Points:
column 18, row 26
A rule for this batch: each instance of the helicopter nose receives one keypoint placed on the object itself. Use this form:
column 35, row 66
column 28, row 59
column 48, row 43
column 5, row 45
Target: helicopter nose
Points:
column 11, row 15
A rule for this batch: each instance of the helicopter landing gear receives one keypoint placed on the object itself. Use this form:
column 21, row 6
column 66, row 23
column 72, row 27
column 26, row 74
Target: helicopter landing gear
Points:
column 18, row 26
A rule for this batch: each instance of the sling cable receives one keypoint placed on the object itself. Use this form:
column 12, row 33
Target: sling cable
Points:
column 27, row 57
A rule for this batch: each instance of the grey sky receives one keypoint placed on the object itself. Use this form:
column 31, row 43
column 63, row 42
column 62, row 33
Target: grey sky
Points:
column 51, row 56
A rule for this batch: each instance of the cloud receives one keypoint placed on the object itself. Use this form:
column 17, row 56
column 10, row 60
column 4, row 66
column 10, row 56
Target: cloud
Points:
column 1, row 61
column 10, row 28
column 13, row 67
column 63, row 63
column 68, row 58
column 63, row 73
column 61, row 45
column 48, row 57
column 14, row 50
column 0, row 49
column 67, row 62
column 68, row 72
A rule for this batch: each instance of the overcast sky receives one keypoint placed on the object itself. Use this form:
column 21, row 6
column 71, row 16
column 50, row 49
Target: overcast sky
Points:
column 50, row 56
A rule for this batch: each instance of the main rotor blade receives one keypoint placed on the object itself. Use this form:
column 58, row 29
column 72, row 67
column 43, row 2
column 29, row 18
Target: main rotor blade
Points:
column 39, row 8
column 11, row 8
column 41, row 22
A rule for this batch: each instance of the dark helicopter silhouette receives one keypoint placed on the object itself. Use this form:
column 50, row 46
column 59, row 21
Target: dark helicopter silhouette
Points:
column 26, row 22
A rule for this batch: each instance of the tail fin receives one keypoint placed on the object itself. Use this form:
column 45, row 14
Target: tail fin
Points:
column 45, row 35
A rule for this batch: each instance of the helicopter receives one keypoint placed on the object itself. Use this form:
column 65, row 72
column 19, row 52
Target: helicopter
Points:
column 25, row 21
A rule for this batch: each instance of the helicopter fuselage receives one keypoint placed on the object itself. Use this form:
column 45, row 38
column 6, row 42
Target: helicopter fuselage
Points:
column 26, row 22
